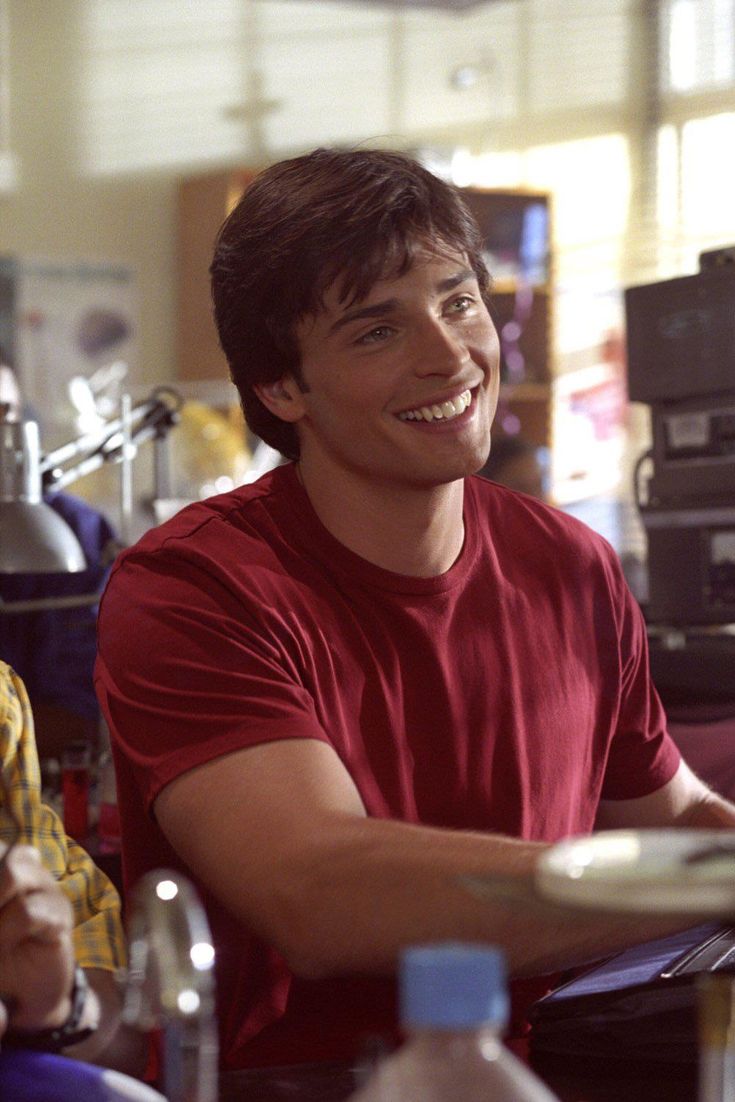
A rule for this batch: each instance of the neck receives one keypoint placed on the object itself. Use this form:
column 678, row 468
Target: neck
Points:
column 418, row 532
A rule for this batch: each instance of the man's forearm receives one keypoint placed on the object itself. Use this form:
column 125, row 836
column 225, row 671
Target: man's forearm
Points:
column 382, row 885
column 713, row 812
column 284, row 843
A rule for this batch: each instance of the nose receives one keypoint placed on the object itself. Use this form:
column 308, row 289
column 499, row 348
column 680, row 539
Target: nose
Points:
column 439, row 349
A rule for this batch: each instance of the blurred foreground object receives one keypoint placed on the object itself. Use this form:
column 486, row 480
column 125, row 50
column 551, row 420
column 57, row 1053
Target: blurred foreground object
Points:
column 43, row 1077
column 454, row 1008
column 661, row 872
column 171, row 983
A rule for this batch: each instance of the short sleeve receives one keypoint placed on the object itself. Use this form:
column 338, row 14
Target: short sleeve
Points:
column 190, row 668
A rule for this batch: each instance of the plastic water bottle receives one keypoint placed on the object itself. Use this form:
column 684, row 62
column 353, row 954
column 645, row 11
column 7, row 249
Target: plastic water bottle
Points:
column 454, row 1008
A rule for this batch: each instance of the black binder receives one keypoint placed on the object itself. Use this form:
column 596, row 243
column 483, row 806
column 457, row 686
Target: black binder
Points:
column 637, row 1005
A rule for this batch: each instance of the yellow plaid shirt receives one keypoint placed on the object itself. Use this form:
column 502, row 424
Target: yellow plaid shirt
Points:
column 98, row 934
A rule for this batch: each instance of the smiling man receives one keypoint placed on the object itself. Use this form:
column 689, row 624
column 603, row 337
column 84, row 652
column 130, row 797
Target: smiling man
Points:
column 335, row 691
column 393, row 405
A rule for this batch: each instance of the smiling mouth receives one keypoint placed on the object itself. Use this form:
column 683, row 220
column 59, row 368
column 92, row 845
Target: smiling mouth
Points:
column 444, row 411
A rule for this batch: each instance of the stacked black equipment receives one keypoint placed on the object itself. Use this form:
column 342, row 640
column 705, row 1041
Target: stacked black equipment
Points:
column 681, row 362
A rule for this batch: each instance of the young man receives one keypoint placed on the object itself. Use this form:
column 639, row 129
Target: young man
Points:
column 334, row 692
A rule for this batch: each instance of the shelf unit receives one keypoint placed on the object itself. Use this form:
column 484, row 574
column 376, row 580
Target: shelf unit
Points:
column 516, row 228
column 203, row 204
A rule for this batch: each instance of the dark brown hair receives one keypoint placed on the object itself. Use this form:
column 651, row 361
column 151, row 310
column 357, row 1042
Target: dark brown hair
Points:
column 350, row 215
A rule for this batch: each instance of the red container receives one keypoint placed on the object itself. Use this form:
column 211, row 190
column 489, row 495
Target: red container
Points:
column 75, row 762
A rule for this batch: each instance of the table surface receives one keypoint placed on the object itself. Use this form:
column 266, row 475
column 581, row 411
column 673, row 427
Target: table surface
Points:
column 606, row 1081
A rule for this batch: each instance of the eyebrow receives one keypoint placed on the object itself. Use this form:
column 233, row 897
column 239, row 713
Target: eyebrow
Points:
column 377, row 309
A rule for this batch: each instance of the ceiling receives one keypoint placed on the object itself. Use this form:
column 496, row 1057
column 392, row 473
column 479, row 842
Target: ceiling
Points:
column 446, row 5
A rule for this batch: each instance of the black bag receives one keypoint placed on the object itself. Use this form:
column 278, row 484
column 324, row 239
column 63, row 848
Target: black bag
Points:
column 637, row 1005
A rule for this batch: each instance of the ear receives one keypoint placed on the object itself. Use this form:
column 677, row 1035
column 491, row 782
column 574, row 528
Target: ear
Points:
column 284, row 398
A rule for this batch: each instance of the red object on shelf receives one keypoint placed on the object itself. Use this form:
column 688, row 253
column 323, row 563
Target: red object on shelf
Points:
column 75, row 790
column 108, row 828
column 108, row 822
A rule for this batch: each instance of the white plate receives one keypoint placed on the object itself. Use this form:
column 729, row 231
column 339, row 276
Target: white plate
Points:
column 674, row 871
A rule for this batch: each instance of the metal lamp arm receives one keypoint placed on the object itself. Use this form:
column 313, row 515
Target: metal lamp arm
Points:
column 151, row 419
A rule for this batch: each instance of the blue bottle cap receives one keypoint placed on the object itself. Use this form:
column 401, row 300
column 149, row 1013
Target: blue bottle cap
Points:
column 453, row 986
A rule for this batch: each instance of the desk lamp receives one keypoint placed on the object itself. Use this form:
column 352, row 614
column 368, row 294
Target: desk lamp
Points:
column 33, row 538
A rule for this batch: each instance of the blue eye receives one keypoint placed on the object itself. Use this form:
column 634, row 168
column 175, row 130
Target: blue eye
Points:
column 374, row 336
column 461, row 304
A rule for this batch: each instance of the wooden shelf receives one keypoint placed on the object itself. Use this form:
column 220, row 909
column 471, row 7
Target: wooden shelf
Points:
column 508, row 286
column 203, row 204
column 526, row 392
column 516, row 228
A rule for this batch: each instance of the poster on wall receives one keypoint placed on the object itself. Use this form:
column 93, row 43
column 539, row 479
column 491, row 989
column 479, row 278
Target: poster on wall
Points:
column 69, row 330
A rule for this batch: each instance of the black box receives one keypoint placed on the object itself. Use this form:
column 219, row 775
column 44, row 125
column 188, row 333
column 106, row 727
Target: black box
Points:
column 691, row 566
column 693, row 453
column 681, row 336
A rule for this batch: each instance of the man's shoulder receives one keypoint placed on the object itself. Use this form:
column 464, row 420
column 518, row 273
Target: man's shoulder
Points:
column 525, row 521
column 524, row 508
column 238, row 538
column 215, row 520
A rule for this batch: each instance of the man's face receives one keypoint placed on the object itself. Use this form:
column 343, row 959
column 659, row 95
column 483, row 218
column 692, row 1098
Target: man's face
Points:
column 401, row 387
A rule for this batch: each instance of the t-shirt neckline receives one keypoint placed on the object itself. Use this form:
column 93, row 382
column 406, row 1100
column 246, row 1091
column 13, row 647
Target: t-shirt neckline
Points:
column 317, row 541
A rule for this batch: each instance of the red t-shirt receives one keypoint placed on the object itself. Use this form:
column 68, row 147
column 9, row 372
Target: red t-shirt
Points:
column 508, row 694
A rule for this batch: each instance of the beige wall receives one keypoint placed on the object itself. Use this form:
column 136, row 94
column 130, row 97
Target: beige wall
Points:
column 57, row 209
column 252, row 81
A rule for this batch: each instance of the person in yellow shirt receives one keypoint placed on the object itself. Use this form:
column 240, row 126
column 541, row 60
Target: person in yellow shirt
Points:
column 61, row 935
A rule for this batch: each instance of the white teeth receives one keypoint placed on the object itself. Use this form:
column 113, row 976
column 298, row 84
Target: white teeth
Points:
column 444, row 412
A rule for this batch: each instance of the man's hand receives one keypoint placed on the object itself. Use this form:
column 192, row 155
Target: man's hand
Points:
column 36, row 954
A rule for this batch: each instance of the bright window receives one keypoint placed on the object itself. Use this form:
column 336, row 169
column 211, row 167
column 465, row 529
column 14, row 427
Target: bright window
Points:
column 708, row 179
column 698, row 44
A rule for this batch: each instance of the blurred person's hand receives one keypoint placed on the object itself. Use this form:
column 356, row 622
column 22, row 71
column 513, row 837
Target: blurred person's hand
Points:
column 36, row 953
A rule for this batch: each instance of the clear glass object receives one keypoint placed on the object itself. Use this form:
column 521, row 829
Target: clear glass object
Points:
column 108, row 821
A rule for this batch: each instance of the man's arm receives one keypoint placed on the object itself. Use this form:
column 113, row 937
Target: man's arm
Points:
column 685, row 801
column 283, row 840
